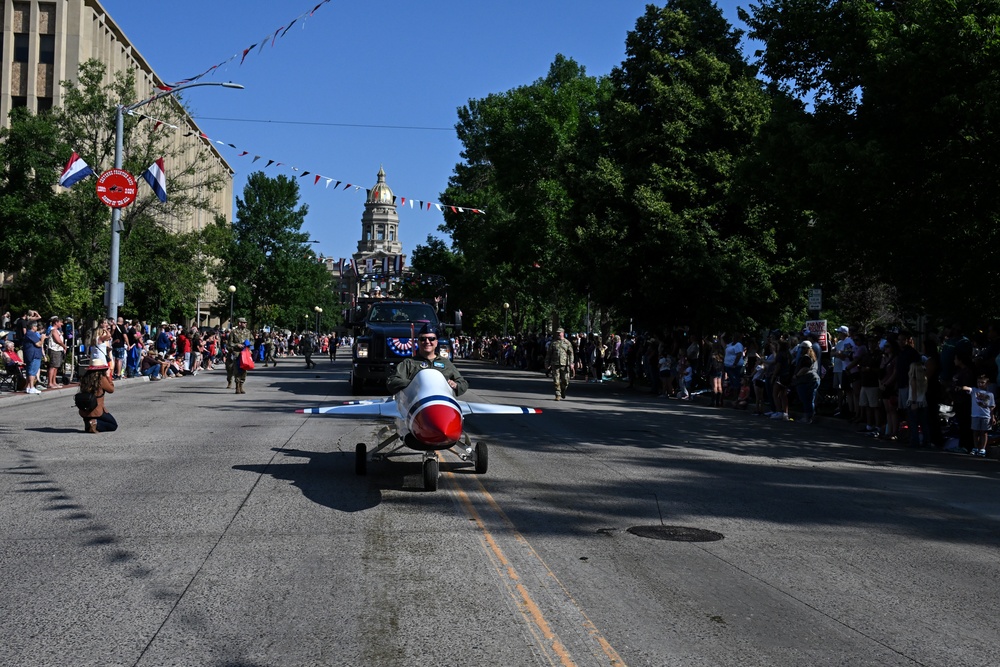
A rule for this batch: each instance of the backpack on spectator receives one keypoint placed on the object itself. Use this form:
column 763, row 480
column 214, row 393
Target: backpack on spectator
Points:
column 85, row 401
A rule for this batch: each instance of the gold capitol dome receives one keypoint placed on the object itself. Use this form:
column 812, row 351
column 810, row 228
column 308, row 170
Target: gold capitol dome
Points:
column 381, row 193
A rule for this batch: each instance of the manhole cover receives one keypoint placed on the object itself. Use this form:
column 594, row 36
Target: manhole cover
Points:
column 676, row 533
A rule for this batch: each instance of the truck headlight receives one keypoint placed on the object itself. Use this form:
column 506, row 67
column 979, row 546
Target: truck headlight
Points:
column 362, row 351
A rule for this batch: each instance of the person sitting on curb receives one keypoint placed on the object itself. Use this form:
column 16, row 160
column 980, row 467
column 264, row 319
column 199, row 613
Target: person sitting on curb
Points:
column 90, row 400
column 151, row 366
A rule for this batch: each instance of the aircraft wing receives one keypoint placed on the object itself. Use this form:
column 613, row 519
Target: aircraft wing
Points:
column 385, row 408
column 495, row 409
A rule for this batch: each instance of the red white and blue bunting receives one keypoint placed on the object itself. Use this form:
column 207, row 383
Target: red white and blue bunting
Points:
column 419, row 204
column 242, row 55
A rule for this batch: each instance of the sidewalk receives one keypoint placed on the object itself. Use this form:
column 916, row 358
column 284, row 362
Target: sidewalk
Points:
column 9, row 398
column 823, row 419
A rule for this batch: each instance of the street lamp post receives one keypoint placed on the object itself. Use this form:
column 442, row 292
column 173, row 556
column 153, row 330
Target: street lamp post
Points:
column 232, row 293
column 319, row 311
column 506, row 307
column 116, row 213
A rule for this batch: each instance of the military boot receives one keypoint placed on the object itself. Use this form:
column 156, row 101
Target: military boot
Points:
column 229, row 383
column 240, row 389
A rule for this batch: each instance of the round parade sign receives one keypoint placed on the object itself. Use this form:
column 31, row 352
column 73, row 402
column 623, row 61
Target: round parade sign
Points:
column 116, row 188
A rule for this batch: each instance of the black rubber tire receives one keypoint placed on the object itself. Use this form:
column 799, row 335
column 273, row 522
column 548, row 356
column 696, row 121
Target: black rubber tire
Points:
column 360, row 459
column 482, row 458
column 357, row 385
column 431, row 471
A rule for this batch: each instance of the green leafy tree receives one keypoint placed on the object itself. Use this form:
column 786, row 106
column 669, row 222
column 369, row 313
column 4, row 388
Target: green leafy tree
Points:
column 29, row 207
column 168, row 273
column 71, row 293
column 436, row 259
column 669, row 233
column 522, row 153
column 897, row 145
column 269, row 260
column 32, row 215
column 48, row 230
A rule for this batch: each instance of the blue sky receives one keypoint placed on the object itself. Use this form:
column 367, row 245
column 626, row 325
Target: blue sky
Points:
column 361, row 85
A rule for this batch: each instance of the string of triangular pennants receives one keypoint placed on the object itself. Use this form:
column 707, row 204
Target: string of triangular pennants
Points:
column 422, row 204
column 242, row 55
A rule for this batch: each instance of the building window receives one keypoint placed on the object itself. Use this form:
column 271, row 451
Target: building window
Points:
column 392, row 234
column 381, row 234
column 21, row 47
column 47, row 49
column 18, row 101
column 44, row 104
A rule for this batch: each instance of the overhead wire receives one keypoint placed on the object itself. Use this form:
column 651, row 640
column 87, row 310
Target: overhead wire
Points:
column 304, row 122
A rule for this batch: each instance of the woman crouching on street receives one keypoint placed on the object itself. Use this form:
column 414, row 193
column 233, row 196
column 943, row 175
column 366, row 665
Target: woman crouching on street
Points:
column 90, row 401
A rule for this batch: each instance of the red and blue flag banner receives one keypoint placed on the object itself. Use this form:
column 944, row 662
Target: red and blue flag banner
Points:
column 385, row 265
column 269, row 39
column 157, row 179
column 419, row 204
column 398, row 264
column 76, row 170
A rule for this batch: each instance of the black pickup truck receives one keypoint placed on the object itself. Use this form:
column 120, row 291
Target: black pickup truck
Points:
column 385, row 332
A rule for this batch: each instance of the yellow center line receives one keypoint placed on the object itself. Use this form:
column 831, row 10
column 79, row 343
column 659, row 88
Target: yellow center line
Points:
column 529, row 609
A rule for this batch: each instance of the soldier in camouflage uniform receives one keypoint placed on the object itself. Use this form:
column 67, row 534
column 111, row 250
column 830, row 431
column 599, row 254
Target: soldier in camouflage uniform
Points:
column 269, row 350
column 559, row 359
column 235, row 343
column 307, row 345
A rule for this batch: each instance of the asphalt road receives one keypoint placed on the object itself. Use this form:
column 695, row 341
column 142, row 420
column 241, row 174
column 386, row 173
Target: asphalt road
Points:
column 223, row 530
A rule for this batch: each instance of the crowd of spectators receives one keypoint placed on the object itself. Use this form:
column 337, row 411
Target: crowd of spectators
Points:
column 931, row 391
column 935, row 390
column 41, row 355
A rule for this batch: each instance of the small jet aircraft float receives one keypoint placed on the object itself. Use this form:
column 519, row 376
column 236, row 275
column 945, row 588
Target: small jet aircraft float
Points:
column 428, row 418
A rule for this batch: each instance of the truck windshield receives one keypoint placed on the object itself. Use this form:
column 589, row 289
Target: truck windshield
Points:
column 411, row 312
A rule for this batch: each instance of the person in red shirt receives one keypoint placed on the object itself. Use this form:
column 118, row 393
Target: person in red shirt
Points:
column 184, row 349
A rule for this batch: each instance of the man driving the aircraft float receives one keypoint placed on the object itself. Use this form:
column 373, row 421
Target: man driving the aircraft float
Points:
column 426, row 357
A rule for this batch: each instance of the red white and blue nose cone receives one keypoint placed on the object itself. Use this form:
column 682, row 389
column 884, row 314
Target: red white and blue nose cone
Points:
column 437, row 424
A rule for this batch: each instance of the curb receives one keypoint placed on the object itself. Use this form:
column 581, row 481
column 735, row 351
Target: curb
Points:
column 9, row 398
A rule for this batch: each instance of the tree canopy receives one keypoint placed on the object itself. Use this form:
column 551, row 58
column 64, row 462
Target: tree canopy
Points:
column 269, row 260
column 624, row 187
column 896, row 145
column 57, row 242
column 695, row 186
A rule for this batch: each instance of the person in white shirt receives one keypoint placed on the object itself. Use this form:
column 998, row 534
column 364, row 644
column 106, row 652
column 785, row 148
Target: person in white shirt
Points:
column 843, row 352
column 56, row 347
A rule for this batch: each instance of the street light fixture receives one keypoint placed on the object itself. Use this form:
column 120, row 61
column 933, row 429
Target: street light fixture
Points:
column 232, row 293
column 319, row 311
column 116, row 213
column 506, row 307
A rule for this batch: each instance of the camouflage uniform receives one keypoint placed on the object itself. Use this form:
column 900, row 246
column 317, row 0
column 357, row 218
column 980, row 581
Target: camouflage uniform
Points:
column 269, row 351
column 559, row 358
column 407, row 369
column 307, row 345
column 234, row 343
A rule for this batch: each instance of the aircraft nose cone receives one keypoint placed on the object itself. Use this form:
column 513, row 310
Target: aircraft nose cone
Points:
column 438, row 425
